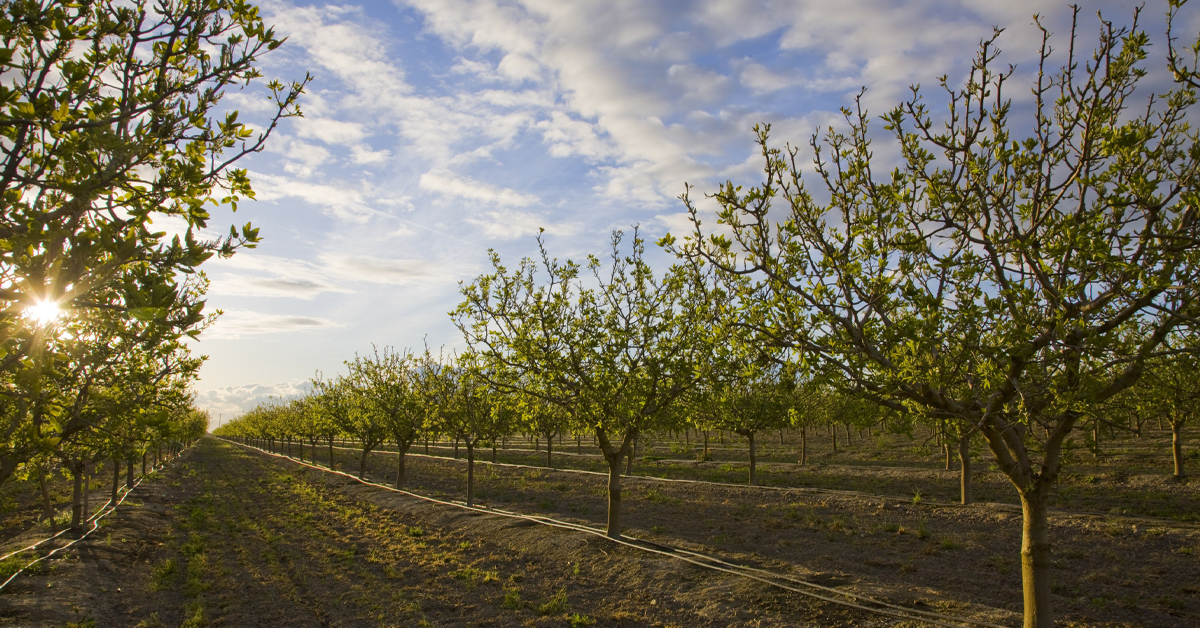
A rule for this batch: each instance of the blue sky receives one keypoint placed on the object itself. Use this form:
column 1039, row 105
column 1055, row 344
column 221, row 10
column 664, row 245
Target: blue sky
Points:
column 437, row 129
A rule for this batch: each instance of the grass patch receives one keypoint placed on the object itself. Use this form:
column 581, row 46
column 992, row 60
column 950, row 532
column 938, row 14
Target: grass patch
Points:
column 556, row 605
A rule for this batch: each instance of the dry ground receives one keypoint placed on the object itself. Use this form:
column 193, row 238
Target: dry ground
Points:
column 230, row 537
column 1110, row 570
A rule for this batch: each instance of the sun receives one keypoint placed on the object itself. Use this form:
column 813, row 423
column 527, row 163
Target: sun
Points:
column 43, row 312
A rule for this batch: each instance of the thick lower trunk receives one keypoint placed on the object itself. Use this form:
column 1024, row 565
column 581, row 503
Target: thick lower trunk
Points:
column 331, row 452
column 470, row 473
column 144, row 463
column 803, row 445
column 578, row 445
column 1035, row 561
column 549, row 450
column 47, row 505
column 116, row 480
column 1177, row 447
column 781, row 436
column 493, row 452
column 833, row 434
column 87, row 492
column 129, row 473
column 362, row 462
column 964, row 474
column 614, row 498
column 401, row 452
column 706, row 456
column 77, row 499
column 750, row 437
column 456, row 449
column 629, row 462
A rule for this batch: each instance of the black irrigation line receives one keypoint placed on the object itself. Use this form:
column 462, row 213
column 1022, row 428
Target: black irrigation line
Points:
column 94, row 520
column 1160, row 522
column 777, row 580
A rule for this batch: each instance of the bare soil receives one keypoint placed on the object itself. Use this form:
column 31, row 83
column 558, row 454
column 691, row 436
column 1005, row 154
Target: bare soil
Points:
column 1110, row 570
column 230, row 537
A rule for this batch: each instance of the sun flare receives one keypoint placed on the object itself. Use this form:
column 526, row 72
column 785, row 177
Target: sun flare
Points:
column 43, row 312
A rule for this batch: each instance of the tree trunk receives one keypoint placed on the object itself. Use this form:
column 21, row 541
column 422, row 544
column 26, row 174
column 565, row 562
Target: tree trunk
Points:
column 401, row 452
column 493, row 452
column 331, row 453
column 1177, row 447
column 706, row 445
column 129, row 472
column 87, row 491
column 614, row 497
column 781, row 436
column 549, row 448
column 470, row 472
column 803, row 445
column 116, row 480
column 362, row 461
column 144, row 463
column 964, row 475
column 1035, row 560
column 946, row 451
column 750, row 437
column 47, row 505
column 77, row 498
column 833, row 433
column 578, row 446
column 849, row 436
column 456, row 449
column 629, row 463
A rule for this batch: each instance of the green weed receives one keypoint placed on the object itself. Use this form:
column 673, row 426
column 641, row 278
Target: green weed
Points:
column 556, row 605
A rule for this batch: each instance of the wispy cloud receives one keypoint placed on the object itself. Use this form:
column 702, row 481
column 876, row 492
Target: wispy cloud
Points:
column 239, row 324
column 448, row 184
column 227, row 403
column 507, row 224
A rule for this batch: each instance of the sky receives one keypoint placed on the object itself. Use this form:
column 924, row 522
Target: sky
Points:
column 435, row 130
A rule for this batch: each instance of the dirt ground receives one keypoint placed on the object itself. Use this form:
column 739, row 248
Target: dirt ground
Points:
column 1109, row 570
column 229, row 537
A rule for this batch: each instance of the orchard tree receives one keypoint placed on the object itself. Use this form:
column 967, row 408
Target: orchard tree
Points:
column 109, row 114
column 392, row 396
column 1170, row 390
column 615, row 357
column 1028, row 251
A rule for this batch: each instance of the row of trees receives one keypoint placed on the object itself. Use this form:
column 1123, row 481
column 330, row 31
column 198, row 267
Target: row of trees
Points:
column 1011, row 281
column 110, row 121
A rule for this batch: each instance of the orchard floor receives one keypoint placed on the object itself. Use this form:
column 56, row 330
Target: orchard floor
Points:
column 1109, row 570
column 226, row 536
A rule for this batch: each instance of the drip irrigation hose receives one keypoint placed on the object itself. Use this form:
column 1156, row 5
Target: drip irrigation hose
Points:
column 94, row 520
column 859, row 602
column 1154, row 521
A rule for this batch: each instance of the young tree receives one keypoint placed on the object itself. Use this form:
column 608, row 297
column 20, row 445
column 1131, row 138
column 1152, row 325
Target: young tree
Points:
column 393, row 398
column 1170, row 390
column 1028, row 258
column 110, row 120
column 615, row 357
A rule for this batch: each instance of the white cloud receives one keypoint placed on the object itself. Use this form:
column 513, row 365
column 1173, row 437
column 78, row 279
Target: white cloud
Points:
column 339, row 201
column 383, row 270
column 362, row 154
column 449, row 184
column 760, row 80
column 509, row 224
column 227, row 403
column 329, row 130
column 240, row 324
